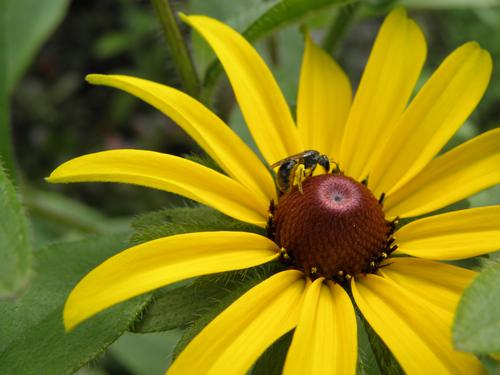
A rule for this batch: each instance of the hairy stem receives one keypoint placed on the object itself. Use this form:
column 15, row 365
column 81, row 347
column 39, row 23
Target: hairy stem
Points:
column 6, row 149
column 339, row 25
column 177, row 46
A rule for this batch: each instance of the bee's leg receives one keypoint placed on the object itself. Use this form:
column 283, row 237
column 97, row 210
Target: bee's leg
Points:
column 308, row 172
column 334, row 167
column 300, row 175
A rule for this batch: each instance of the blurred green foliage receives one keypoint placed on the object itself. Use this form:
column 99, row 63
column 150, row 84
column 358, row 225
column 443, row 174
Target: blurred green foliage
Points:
column 25, row 33
column 55, row 116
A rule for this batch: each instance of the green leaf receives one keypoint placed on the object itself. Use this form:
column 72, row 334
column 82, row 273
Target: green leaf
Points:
column 27, row 24
column 447, row 4
column 170, row 221
column 477, row 320
column 281, row 14
column 237, row 13
column 184, row 305
column 24, row 26
column 33, row 340
column 15, row 247
column 236, row 283
column 284, row 13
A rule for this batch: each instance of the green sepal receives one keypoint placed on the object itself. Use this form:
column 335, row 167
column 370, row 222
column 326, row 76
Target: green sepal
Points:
column 204, row 160
column 176, row 308
column 272, row 361
column 383, row 356
column 491, row 365
column 233, row 284
column 170, row 221
column 477, row 319
column 460, row 205
column 182, row 306
column 33, row 339
column 367, row 362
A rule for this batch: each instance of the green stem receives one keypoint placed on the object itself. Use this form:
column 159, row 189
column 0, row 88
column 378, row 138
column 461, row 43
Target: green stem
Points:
column 178, row 49
column 6, row 150
column 339, row 25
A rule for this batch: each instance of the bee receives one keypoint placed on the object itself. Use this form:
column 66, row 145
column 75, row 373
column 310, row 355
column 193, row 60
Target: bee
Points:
column 294, row 169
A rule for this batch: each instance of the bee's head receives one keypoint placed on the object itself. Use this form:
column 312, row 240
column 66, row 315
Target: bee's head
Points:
column 324, row 162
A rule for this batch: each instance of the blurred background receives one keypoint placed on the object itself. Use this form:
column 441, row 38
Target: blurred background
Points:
column 55, row 115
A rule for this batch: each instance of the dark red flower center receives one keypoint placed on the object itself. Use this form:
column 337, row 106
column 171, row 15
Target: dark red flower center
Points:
column 336, row 228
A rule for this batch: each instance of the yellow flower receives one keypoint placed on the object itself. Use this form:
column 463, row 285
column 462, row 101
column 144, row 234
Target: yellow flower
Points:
column 335, row 235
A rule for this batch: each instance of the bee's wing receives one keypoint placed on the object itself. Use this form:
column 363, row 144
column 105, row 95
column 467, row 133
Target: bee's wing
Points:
column 279, row 163
column 293, row 157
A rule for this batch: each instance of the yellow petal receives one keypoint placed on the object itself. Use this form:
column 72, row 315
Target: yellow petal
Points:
column 439, row 109
column 437, row 283
column 453, row 235
column 170, row 173
column 261, row 101
column 208, row 130
column 153, row 264
column 232, row 342
column 323, row 101
column 457, row 174
column 325, row 340
column 414, row 331
column 387, row 83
